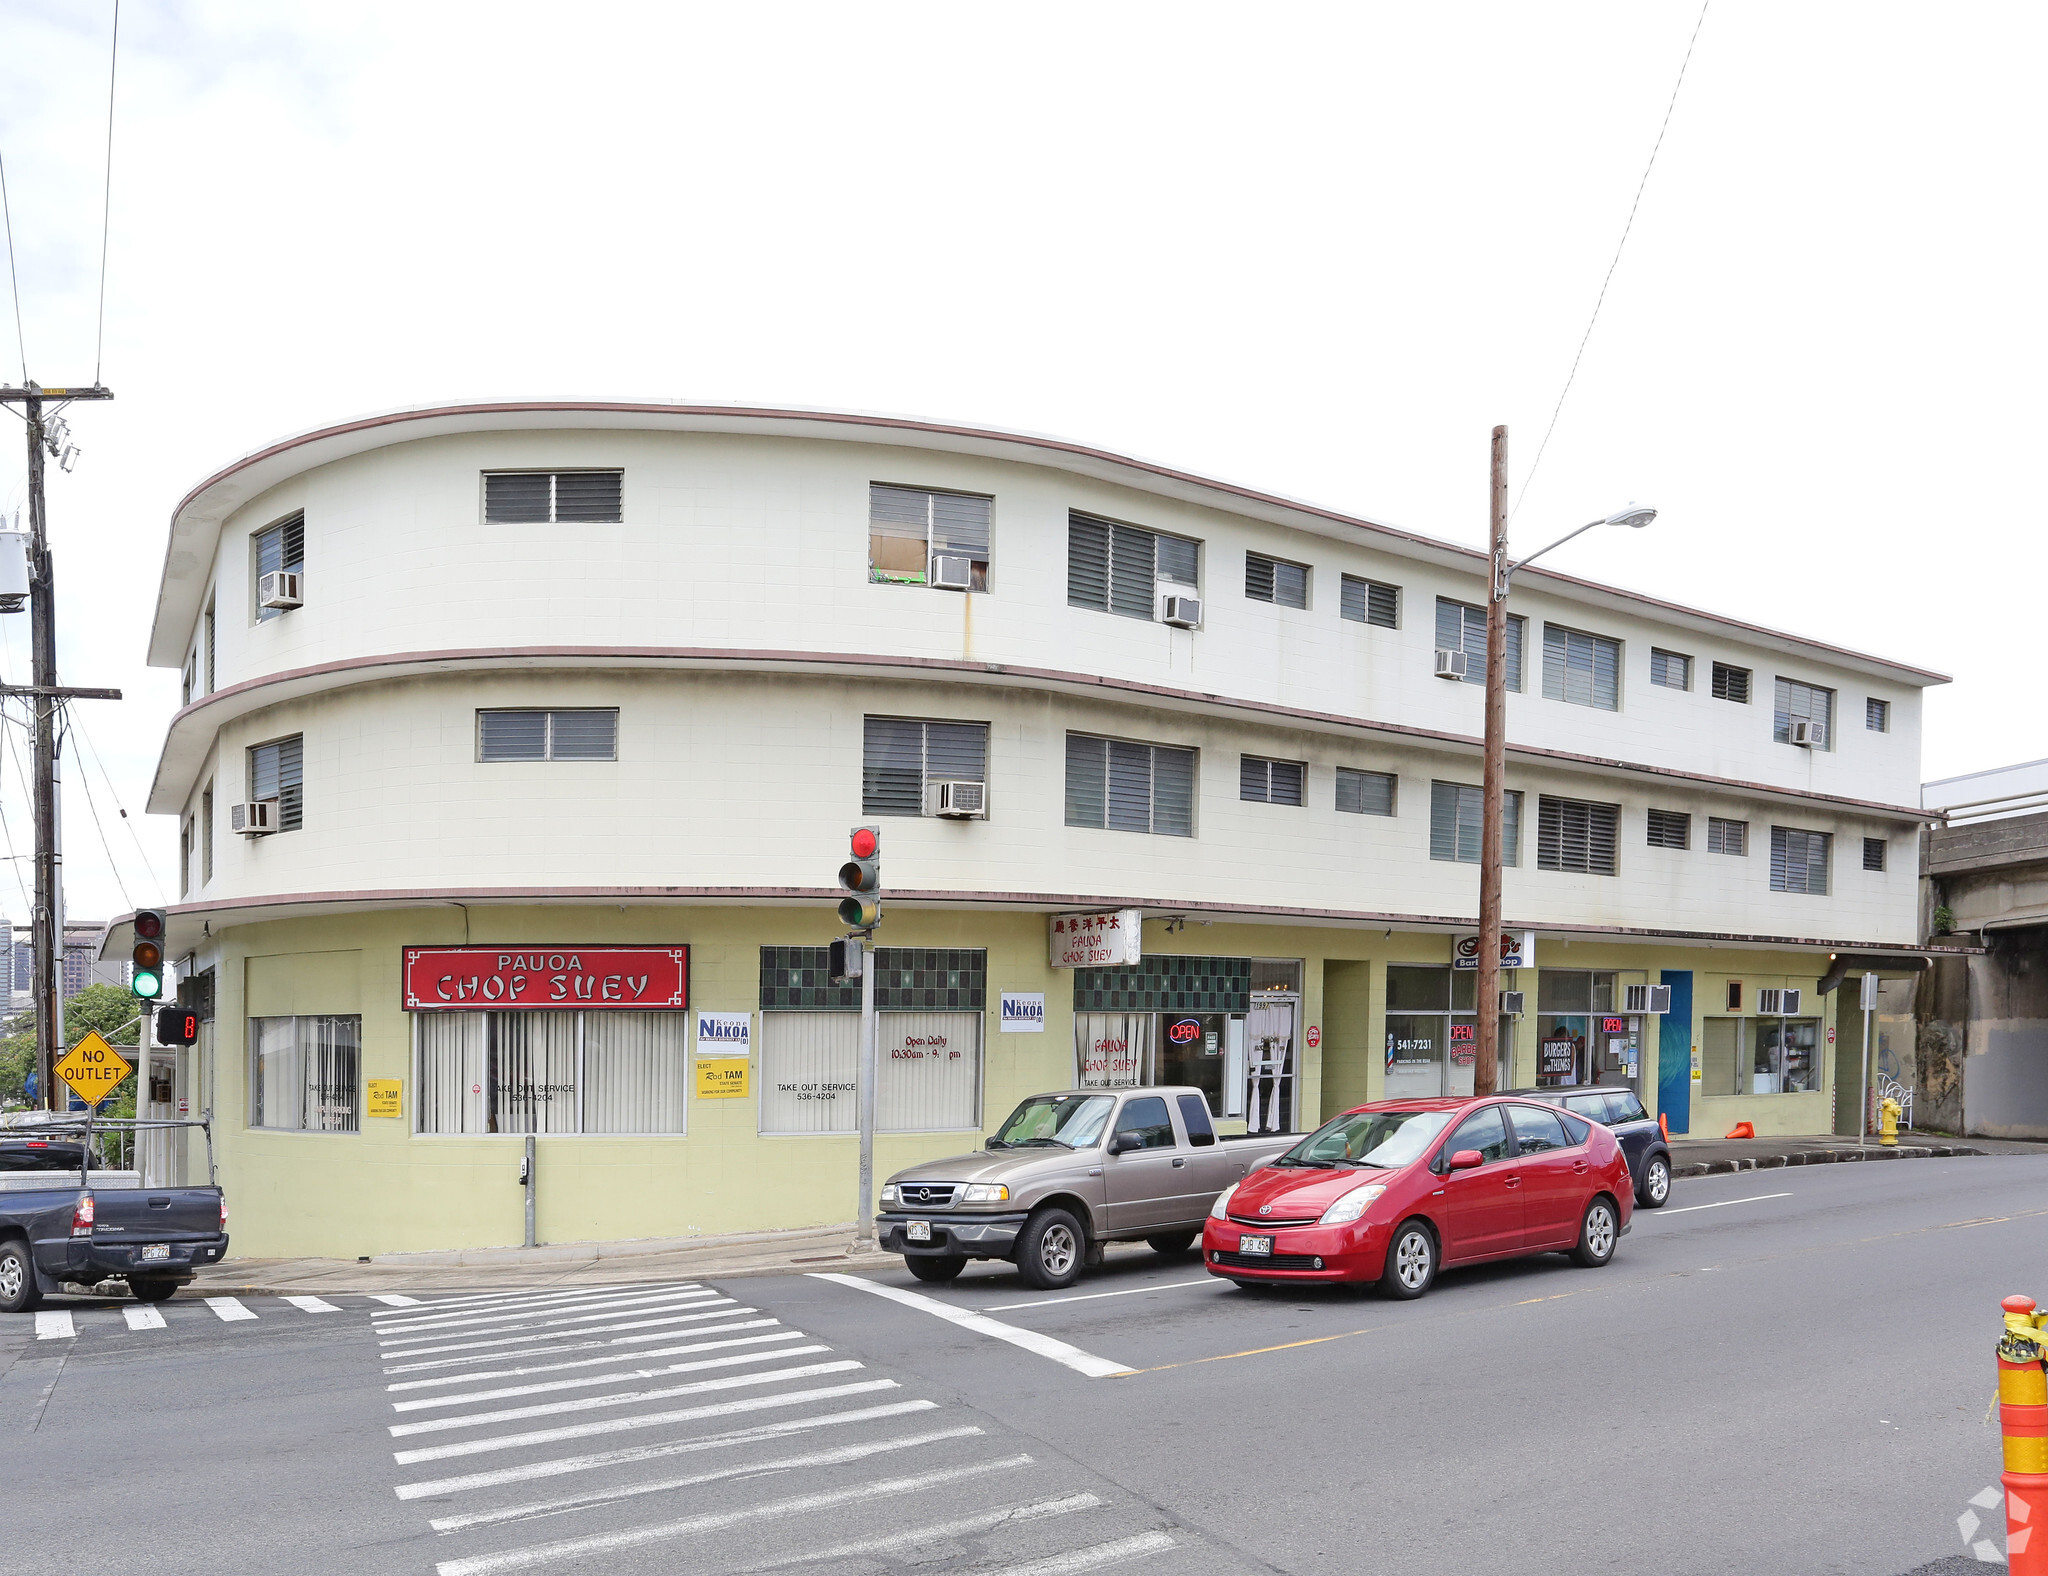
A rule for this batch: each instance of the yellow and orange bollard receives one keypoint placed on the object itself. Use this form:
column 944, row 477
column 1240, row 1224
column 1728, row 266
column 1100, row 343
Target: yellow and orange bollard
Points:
column 2023, row 1419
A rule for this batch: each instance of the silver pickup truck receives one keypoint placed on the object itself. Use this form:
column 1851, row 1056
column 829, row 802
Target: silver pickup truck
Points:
column 1064, row 1174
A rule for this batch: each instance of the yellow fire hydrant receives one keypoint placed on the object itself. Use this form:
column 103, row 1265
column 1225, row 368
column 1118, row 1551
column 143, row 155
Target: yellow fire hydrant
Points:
column 1888, row 1120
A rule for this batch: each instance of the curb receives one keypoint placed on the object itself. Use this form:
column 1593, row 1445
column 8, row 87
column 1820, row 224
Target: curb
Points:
column 1821, row 1157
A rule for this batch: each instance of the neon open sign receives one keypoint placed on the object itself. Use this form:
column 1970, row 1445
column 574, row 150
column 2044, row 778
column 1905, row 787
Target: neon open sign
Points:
column 1184, row 1031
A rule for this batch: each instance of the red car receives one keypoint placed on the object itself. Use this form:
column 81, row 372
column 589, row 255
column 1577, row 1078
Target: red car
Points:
column 1396, row 1190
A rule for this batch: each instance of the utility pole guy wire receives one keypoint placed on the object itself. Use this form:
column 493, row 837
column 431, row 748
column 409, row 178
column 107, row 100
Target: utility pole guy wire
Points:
column 106, row 208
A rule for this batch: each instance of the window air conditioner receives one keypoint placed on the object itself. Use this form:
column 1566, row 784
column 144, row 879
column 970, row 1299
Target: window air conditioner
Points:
column 960, row 801
column 280, row 588
column 1182, row 612
column 1788, row 1003
column 952, row 572
column 255, row 818
column 1511, row 1003
column 1809, row 735
column 1450, row 664
column 1770, row 1002
column 1646, row 999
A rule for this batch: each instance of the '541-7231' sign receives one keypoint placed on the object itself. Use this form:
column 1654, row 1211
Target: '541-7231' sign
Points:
column 564, row 978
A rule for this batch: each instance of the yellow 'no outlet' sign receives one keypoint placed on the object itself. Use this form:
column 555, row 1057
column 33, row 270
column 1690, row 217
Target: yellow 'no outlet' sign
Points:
column 93, row 1068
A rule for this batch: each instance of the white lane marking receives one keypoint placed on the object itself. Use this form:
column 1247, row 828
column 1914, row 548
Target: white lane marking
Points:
column 815, row 1458
column 538, row 1328
column 313, row 1304
column 563, row 1302
column 623, row 1398
column 616, row 1425
column 54, row 1324
column 414, row 1329
column 1723, row 1204
column 500, row 1296
column 141, row 1317
column 611, row 1357
column 563, row 1466
column 391, row 1299
column 568, row 1337
column 585, row 1381
column 713, row 1521
column 1097, row 1557
column 229, row 1309
column 559, row 1335
column 937, row 1532
column 538, row 1295
column 1043, row 1345
column 1092, row 1296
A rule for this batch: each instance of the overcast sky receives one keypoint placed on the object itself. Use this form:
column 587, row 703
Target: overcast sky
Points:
column 1317, row 249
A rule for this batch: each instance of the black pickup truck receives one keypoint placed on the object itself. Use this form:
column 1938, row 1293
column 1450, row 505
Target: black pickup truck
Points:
column 63, row 1221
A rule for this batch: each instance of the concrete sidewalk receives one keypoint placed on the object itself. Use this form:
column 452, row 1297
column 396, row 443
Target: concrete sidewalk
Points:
column 1699, row 1157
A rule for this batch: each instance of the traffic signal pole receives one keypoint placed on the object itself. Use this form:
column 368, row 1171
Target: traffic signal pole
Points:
column 864, row 1100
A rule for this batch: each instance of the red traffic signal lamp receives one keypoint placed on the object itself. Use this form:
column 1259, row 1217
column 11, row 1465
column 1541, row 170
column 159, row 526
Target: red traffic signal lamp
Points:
column 146, row 976
column 861, row 876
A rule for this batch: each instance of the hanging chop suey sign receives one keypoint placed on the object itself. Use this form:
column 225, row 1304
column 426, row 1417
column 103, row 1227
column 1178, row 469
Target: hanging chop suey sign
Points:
column 1095, row 941
column 567, row 978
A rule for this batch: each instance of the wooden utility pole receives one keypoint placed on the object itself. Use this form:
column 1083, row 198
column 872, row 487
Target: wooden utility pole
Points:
column 1488, row 990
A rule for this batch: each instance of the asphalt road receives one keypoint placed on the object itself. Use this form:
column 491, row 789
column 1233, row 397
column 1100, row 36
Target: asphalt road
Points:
column 1783, row 1371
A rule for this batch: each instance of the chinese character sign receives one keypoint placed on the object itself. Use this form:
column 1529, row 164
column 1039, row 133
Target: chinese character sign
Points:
column 1096, row 941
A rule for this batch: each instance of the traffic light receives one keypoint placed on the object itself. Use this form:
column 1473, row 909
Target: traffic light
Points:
column 146, row 978
column 862, row 877
column 176, row 1025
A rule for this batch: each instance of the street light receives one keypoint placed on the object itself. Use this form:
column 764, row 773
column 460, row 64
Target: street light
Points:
column 1487, row 1003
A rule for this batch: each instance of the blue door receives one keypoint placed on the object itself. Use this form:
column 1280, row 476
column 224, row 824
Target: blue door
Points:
column 1674, row 1054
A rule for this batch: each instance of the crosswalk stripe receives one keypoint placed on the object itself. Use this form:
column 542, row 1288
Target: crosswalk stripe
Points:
column 937, row 1532
column 584, row 1381
column 142, row 1317
column 613, row 1357
column 547, row 1331
column 1097, row 1557
column 816, row 1458
column 229, row 1308
column 54, row 1324
column 619, row 1425
column 391, row 1299
column 312, row 1304
column 1030, row 1340
column 623, row 1398
column 543, row 1318
column 566, row 1303
column 495, row 1356
column 633, row 1455
column 507, row 1296
column 713, row 1521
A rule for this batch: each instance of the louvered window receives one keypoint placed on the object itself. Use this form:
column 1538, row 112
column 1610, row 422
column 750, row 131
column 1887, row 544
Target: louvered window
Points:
column 1370, row 602
column 1877, row 715
column 900, row 755
column 1576, row 834
column 206, row 834
column 1462, row 627
column 1807, row 703
column 1727, row 837
column 1873, row 853
column 185, row 686
column 909, row 527
column 1121, row 568
column 1457, row 815
column 280, row 548
column 1275, row 580
column 1127, row 787
column 1269, row 782
column 1582, row 669
column 1731, row 683
column 554, row 497
column 1670, row 829
column 584, row 734
column 277, row 771
column 1365, row 793
column 1671, row 669
column 1799, row 861
column 206, row 672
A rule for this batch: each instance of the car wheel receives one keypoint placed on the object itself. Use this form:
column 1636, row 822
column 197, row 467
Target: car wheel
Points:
column 1411, row 1262
column 1173, row 1242
column 1656, row 1186
column 153, row 1290
column 1599, row 1232
column 931, row 1267
column 18, row 1291
column 1050, row 1250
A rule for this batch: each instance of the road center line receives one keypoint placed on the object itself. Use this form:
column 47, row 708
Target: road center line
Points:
column 1030, row 1340
column 1757, row 1198
column 1128, row 1291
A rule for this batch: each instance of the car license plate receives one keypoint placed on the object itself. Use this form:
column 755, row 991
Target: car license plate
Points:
column 1255, row 1244
column 918, row 1231
column 155, row 1250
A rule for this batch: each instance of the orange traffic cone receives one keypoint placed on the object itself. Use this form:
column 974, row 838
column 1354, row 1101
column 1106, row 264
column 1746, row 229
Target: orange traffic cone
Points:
column 1742, row 1130
column 1664, row 1127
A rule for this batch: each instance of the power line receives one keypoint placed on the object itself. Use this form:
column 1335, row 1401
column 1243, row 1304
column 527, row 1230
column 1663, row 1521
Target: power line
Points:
column 1604, row 283
column 13, row 277
column 92, row 804
column 114, row 793
column 106, row 201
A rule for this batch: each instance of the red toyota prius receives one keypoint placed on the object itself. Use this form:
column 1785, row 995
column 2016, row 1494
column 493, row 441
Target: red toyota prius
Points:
column 1396, row 1190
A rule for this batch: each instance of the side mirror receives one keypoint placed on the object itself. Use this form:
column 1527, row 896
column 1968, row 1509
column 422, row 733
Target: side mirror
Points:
column 1120, row 1142
column 1467, row 1160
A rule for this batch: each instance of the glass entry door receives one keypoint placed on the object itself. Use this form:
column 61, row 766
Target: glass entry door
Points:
column 1269, row 1064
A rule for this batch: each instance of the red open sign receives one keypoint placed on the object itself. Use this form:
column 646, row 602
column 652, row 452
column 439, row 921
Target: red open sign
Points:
column 1184, row 1031
column 1464, row 1031
column 1614, row 1025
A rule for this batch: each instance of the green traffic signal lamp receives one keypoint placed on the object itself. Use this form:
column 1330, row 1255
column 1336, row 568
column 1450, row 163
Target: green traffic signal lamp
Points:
column 861, row 876
column 146, row 962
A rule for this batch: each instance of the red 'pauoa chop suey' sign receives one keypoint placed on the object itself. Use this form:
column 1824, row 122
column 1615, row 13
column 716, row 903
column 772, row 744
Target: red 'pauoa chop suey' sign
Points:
column 457, row 978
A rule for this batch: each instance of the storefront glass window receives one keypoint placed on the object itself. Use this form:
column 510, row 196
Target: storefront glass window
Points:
column 305, row 1074
column 551, row 1072
column 1433, row 1033
column 1579, row 1037
column 1760, row 1055
column 928, row 1072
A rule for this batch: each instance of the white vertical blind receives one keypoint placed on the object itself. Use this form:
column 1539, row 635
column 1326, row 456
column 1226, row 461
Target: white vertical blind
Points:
column 1112, row 1050
column 451, row 1061
column 809, row 1061
column 928, row 1071
column 635, row 1072
column 531, row 1059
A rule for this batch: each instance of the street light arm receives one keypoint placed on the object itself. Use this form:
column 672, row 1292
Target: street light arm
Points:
column 1523, row 563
